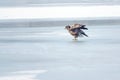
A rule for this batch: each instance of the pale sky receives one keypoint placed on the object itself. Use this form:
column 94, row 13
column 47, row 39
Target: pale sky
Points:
column 59, row 12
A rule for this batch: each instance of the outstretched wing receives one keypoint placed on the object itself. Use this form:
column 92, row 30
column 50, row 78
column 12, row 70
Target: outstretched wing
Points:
column 80, row 27
column 83, row 27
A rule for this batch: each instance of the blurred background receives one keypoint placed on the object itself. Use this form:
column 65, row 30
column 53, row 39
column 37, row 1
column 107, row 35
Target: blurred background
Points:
column 35, row 46
column 49, row 2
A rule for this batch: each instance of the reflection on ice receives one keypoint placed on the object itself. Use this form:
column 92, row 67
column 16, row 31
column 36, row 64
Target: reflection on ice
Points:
column 23, row 75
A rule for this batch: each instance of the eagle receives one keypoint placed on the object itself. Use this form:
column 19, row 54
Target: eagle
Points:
column 76, row 30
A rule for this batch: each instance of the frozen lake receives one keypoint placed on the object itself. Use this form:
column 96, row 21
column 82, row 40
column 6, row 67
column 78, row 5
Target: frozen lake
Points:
column 49, row 53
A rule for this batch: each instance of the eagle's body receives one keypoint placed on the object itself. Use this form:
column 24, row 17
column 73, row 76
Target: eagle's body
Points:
column 77, row 31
